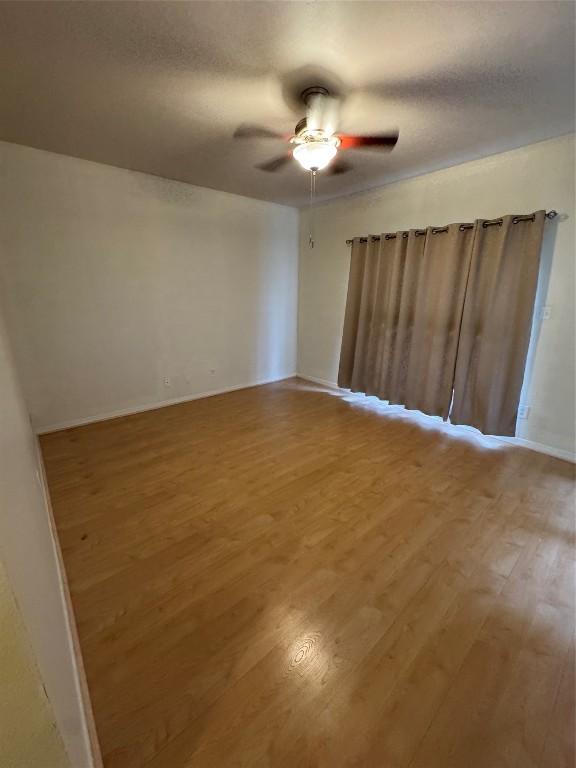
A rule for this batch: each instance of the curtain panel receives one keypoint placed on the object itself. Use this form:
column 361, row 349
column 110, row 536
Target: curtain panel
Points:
column 496, row 324
column 438, row 320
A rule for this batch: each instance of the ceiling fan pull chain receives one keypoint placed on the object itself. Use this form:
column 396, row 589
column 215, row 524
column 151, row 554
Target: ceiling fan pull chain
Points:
column 312, row 200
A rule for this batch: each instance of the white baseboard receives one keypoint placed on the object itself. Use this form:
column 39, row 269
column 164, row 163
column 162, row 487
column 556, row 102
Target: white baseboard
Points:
column 154, row 406
column 86, row 742
column 324, row 382
column 549, row 450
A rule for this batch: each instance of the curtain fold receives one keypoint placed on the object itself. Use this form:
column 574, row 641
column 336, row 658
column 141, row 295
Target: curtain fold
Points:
column 496, row 324
column 403, row 314
column 439, row 320
column 357, row 315
column 438, row 314
column 380, row 315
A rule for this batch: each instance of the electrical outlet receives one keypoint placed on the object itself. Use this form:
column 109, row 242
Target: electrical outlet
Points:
column 523, row 411
column 167, row 381
column 546, row 312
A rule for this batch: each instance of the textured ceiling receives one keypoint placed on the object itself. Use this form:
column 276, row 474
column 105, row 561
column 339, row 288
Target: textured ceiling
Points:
column 160, row 86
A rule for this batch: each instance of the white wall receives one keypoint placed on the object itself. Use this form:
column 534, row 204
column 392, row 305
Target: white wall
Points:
column 113, row 280
column 28, row 736
column 28, row 551
column 533, row 177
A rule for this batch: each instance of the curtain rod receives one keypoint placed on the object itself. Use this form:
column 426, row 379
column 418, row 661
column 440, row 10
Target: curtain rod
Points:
column 435, row 230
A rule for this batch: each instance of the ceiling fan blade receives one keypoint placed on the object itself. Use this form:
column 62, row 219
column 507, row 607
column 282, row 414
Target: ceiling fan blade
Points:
column 338, row 167
column 276, row 163
column 385, row 141
column 248, row 131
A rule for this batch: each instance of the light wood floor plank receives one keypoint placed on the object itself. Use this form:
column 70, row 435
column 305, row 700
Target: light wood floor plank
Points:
column 283, row 577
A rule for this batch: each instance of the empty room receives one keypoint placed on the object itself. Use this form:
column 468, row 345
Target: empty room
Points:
column 287, row 384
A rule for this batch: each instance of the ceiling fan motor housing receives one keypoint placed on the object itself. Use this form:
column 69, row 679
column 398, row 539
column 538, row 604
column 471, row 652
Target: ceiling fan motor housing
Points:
column 300, row 126
column 303, row 134
column 314, row 146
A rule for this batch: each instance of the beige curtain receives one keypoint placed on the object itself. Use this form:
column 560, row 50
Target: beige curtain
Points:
column 379, row 317
column 496, row 323
column 403, row 314
column 441, row 312
column 437, row 318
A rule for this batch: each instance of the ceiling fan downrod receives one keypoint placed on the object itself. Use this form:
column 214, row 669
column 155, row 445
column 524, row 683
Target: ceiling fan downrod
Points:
column 310, row 208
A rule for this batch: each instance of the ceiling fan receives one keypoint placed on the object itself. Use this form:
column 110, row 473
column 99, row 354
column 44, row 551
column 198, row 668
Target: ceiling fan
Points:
column 315, row 142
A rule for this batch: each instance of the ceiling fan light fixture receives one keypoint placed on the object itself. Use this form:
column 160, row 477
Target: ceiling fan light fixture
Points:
column 315, row 155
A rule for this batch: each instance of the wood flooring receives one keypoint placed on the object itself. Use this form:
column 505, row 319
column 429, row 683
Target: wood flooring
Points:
column 284, row 577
